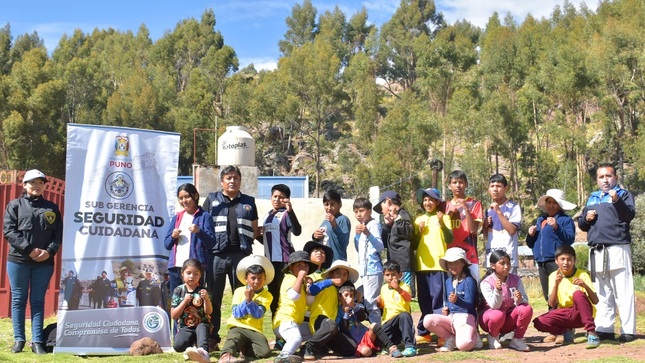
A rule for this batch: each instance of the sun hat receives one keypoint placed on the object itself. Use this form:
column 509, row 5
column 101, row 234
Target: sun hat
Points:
column 329, row 253
column 300, row 256
column 453, row 254
column 558, row 196
column 353, row 274
column 251, row 260
column 431, row 192
column 389, row 194
column 34, row 174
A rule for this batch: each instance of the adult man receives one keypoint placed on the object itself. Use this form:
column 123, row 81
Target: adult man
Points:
column 148, row 293
column 235, row 217
column 606, row 219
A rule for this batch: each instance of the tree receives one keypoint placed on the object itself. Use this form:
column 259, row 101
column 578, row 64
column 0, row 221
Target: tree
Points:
column 397, row 54
column 301, row 27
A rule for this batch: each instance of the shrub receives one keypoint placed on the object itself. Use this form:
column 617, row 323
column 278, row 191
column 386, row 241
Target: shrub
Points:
column 638, row 236
column 582, row 256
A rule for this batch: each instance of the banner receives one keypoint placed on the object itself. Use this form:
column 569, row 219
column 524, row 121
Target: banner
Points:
column 120, row 192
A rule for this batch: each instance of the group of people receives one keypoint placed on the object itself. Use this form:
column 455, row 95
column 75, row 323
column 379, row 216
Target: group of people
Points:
column 311, row 293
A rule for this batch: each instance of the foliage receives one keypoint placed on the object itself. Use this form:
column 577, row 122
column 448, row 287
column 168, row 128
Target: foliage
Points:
column 355, row 105
column 638, row 236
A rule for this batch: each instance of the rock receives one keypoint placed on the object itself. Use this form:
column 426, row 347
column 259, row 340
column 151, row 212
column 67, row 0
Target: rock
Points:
column 145, row 346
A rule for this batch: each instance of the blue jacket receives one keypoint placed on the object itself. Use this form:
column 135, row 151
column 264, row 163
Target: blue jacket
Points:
column 217, row 205
column 466, row 296
column 546, row 240
column 611, row 226
column 200, row 243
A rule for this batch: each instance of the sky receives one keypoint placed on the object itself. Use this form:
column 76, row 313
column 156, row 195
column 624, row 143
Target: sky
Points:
column 252, row 27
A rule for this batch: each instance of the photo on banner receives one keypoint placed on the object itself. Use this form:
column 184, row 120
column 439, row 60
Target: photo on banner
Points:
column 120, row 191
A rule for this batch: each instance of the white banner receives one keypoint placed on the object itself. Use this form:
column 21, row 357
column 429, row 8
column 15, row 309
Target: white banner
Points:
column 120, row 191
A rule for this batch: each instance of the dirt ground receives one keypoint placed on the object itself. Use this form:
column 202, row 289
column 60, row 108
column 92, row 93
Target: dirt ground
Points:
column 540, row 352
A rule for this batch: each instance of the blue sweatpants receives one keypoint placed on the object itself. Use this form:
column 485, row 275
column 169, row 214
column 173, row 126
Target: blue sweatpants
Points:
column 430, row 291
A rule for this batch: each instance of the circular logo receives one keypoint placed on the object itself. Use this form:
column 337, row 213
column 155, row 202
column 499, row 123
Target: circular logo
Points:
column 152, row 322
column 119, row 185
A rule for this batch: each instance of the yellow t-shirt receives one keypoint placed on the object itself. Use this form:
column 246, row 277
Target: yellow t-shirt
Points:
column 325, row 303
column 393, row 303
column 567, row 288
column 289, row 310
column 264, row 299
column 433, row 243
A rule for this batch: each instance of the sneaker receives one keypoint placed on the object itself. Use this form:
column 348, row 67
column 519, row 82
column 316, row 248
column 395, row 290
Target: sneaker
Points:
column 479, row 344
column 626, row 338
column 493, row 342
column 198, row 355
column 309, row 353
column 550, row 339
column 409, row 352
column 213, row 345
column 507, row 336
column 279, row 344
column 396, row 353
column 568, row 336
column 423, row 339
column 518, row 344
column 449, row 345
column 440, row 342
column 285, row 357
column 606, row 336
column 593, row 341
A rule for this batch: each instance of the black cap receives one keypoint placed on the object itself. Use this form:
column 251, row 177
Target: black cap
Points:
column 300, row 256
column 329, row 253
column 385, row 195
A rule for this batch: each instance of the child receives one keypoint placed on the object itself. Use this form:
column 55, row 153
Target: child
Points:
column 433, row 233
column 397, row 233
column 505, row 306
column 369, row 245
column 395, row 300
column 365, row 341
column 334, row 230
column 572, row 299
column 457, row 323
column 324, row 310
column 249, row 305
column 291, row 308
column 502, row 222
column 466, row 214
column 552, row 230
column 278, row 225
column 191, row 305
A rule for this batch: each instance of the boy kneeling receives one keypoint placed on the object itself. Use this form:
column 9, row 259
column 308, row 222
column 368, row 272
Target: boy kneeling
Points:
column 249, row 304
column 572, row 298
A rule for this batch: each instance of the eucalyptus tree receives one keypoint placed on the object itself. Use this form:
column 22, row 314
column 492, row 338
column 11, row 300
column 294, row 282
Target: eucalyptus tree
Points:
column 301, row 27
column 397, row 54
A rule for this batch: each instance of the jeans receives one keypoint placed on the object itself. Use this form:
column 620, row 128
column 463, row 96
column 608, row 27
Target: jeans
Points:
column 28, row 279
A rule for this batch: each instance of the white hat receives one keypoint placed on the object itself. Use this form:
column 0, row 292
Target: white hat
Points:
column 558, row 196
column 251, row 260
column 34, row 174
column 353, row 274
column 453, row 254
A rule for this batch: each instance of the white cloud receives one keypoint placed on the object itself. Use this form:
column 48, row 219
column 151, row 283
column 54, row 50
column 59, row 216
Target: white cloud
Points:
column 478, row 12
column 262, row 63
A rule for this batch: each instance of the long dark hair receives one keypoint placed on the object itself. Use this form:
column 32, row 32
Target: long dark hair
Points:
column 191, row 190
column 495, row 256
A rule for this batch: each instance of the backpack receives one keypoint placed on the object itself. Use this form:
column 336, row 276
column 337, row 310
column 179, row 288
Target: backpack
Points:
column 50, row 337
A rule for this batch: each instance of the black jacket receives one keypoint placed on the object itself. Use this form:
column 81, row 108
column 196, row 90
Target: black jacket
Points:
column 32, row 223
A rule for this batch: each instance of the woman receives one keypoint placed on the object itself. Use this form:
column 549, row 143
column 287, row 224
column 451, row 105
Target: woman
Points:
column 34, row 229
column 190, row 234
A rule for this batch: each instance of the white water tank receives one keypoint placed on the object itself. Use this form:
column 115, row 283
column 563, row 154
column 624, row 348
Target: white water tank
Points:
column 236, row 147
